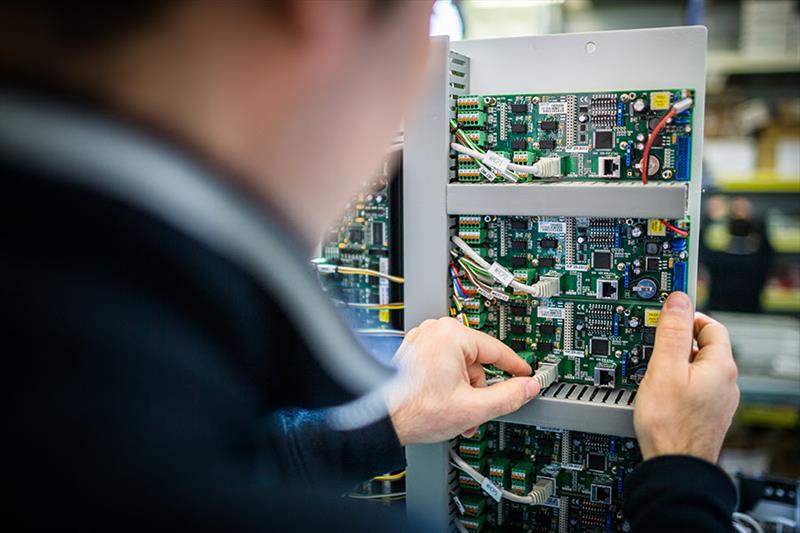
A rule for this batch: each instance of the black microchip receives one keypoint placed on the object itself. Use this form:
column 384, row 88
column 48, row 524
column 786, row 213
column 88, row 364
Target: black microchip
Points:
column 377, row 233
column 519, row 245
column 603, row 139
column 547, row 329
column 547, row 144
column 582, row 127
column 548, row 243
column 583, row 109
column 652, row 248
column 547, row 262
column 380, row 253
column 651, row 264
column 548, row 125
column 658, row 141
column 601, row 260
column 519, row 225
column 519, row 108
column 518, row 345
column 649, row 336
column 519, row 144
column 519, row 261
column 356, row 235
column 518, row 329
column 582, row 138
column 599, row 347
column 520, row 127
column 596, row 461
column 519, row 310
column 544, row 346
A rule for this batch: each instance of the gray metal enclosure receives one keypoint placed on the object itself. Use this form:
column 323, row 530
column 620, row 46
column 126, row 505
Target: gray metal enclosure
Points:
column 587, row 62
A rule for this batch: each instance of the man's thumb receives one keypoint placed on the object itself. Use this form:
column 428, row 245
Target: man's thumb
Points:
column 503, row 397
column 674, row 334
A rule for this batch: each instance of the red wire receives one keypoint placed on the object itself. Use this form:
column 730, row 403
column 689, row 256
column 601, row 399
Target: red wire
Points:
column 454, row 271
column 679, row 231
column 646, row 153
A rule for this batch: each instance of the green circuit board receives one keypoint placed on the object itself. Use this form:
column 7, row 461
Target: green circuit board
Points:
column 593, row 135
column 366, row 237
column 614, row 275
column 588, row 470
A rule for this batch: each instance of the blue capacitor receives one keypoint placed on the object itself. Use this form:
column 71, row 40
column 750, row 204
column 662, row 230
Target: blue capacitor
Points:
column 678, row 245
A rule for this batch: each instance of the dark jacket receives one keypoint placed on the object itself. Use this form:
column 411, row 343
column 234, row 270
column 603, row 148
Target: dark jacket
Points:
column 150, row 384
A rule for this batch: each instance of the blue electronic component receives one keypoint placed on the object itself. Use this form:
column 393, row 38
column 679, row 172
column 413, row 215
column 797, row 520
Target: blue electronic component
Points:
column 679, row 276
column 628, row 157
column 683, row 159
column 679, row 245
column 627, row 278
column 620, row 118
column 616, row 325
column 618, row 237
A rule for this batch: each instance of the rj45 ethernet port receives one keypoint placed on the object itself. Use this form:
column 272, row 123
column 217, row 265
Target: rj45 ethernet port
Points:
column 600, row 494
column 605, row 377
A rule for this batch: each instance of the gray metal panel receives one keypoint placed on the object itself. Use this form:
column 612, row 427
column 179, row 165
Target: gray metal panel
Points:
column 579, row 408
column 622, row 199
column 425, row 252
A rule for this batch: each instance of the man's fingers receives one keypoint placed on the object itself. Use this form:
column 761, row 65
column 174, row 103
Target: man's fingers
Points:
column 714, row 342
column 674, row 335
column 485, row 349
column 500, row 399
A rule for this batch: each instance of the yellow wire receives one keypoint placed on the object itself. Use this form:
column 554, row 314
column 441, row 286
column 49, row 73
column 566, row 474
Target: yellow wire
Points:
column 391, row 477
column 390, row 306
column 351, row 271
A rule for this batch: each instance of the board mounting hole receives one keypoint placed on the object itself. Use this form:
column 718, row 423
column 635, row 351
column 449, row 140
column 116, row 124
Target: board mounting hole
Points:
column 591, row 47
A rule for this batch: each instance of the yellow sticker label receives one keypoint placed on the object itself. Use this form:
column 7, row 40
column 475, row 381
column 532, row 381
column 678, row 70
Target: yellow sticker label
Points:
column 656, row 228
column 651, row 317
column 383, row 316
column 659, row 101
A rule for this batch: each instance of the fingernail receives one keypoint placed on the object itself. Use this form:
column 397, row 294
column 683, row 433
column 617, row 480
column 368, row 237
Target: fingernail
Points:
column 678, row 301
column 532, row 389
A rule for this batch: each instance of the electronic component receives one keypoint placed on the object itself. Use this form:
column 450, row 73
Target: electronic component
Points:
column 546, row 329
column 519, row 127
column 600, row 494
column 547, row 262
column 607, row 289
column 645, row 288
column 518, row 329
column 596, row 462
column 519, row 108
column 519, row 245
column 548, row 125
column 519, row 261
column 609, row 166
column 652, row 264
column 519, row 144
column 601, row 260
column 544, row 346
column 603, row 139
column 547, row 244
column 599, row 347
column 547, row 144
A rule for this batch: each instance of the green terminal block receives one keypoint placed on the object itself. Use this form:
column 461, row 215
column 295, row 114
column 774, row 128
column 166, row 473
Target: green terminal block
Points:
column 478, row 137
column 473, row 305
column 471, row 101
column 471, row 119
column 472, row 235
column 473, row 523
column 521, row 477
column 477, row 320
column 499, row 471
column 471, row 449
column 473, row 504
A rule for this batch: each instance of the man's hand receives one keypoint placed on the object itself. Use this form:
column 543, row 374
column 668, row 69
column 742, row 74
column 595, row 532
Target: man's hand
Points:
column 688, row 396
column 443, row 361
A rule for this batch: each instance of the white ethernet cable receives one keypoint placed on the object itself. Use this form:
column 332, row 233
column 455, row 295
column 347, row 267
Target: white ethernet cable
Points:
column 547, row 286
column 546, row 167
column 542, row 490
column 547, row 374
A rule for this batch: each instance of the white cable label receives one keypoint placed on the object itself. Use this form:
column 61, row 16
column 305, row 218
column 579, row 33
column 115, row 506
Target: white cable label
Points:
column 552, row 227
column 491, row 489
column 326, row 269
column 501, row 274
column 486, row 173
column 552, row 108
column 495, row 161
column 486, row 294
column 573, row 353
column 459, row 505
column 503, row 297
column 550, row 312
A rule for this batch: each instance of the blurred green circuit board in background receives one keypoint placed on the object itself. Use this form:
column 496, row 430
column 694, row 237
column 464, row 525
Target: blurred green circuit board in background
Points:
column 596, row 135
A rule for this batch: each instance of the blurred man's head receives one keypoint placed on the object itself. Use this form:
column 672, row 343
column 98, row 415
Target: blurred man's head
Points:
column 299, row 98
